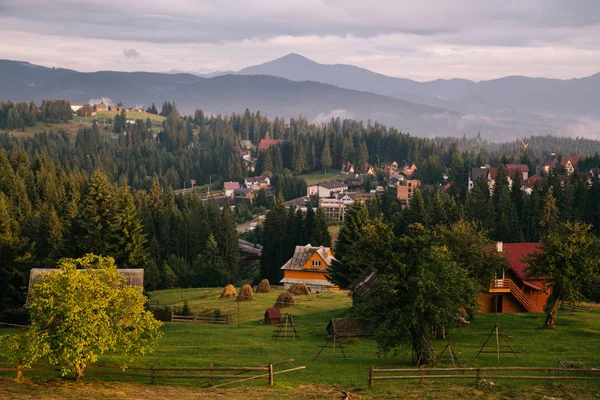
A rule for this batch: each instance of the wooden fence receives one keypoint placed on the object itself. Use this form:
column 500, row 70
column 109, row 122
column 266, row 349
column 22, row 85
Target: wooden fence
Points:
column 479, row 373
column 226, row 320
column 210, row 375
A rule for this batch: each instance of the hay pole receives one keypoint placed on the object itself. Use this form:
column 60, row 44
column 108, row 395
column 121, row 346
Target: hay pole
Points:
column 264, row 366
column 260, row 376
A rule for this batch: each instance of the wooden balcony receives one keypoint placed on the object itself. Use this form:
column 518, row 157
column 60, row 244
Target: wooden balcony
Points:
column 500, row 286
column 508, row 286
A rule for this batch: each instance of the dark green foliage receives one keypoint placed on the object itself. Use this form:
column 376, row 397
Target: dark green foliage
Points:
column 342, row 272
column 418, row 290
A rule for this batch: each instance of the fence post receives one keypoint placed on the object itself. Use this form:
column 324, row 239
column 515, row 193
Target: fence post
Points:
column 478, row 378
column 549, row 373
column 152, row 377
column 422, row 373
column 19, row 371
column 270, row 374
column 210, row 374
column 172, row 316
column 371, row 376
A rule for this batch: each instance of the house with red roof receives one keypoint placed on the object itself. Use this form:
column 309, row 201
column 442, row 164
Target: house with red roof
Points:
column 515, row 291
column 230, row 187
column 266, row 143
column 570, row 164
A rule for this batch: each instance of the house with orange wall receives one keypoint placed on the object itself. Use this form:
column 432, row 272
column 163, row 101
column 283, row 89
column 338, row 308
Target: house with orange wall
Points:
column 515, row 291
column 309, row 265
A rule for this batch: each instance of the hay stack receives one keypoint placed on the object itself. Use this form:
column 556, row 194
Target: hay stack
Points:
column 245, row 293
column 284, row 300
column 263, row 286
column 299, row 289
column 228, row 292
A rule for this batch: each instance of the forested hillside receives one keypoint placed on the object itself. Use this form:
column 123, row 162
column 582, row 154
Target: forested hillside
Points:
column 114, row 194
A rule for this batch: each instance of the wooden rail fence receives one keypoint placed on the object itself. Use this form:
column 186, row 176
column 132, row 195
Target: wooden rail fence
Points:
column 226, row 320
column 479, row 373
column 211, row 373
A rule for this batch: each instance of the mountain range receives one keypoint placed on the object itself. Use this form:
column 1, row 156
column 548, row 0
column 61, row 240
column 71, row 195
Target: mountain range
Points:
column 293, row 85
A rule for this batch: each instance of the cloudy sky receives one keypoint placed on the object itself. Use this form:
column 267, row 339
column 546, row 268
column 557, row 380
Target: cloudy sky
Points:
column 422, row 40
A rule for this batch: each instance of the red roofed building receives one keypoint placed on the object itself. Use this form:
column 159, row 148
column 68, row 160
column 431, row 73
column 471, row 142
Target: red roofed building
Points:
column 266, row 143
column 230, row 187
column 514, row 291
column 570, row 164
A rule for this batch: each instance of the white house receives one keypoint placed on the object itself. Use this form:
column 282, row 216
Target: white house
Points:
column 327, row 188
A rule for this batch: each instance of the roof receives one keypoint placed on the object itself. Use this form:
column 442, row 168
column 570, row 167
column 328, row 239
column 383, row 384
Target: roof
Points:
column 515, row 254
column 511, row 170
column 231, row 185
column 479, row 173
column 532, row 180
column 303, row 253
column 266, row 143
column 348, row 327
column 273, row 313
column 242, row 191
column 332, row 185
column 574, row 161
column 133, row 276
column 364, row 284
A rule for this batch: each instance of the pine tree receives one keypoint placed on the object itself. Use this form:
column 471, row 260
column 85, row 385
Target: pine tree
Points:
column 210, row 269
column 299, row 159
column 273, row 254
column 549, row 221
column 506, row 220
column 128, row 239
column 96, row 215
column 363, row 158
column 321, row 236
column 325, row 159
column 310, row 226
column 227, row 239
column 350, row 233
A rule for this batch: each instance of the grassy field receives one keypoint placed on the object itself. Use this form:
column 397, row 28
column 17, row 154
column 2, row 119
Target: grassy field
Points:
column 576, row 338
column 73, row 126
column 319, row 177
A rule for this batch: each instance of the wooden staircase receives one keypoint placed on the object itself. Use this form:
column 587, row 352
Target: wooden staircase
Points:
column 507, row 285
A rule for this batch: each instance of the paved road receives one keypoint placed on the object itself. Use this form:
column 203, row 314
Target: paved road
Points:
column 244, row 227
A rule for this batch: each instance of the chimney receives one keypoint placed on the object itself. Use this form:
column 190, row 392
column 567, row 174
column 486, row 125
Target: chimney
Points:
column 499, row 247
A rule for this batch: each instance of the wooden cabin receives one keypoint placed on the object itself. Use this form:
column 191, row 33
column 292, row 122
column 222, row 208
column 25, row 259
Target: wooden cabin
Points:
column 515, row 291
column 272, row 316
column 309, row 265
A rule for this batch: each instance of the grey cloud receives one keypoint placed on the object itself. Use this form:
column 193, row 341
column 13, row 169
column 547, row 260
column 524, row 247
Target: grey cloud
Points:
column 215, row 22
column 131, row 53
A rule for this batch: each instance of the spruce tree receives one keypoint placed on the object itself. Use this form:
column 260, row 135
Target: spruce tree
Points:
column 273, row 254
column 321, row 236
column 96, row 216
column 310, row 226
column 350, row 233
column 325, row 159
column 128, row 239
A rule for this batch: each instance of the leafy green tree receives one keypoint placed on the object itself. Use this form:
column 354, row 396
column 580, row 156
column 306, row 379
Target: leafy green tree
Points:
column 78, row 315
column 569, row 260
column 470, row 248
column 418, row 289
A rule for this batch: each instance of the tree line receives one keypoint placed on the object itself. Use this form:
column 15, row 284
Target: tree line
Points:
column 16, row 116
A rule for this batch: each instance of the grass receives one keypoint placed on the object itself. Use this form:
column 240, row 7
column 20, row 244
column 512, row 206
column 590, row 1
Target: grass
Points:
column 576, row 338
column 319, row 177
column 72, row 127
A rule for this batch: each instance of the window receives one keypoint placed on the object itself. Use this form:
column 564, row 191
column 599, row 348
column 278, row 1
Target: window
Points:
column 316, row 263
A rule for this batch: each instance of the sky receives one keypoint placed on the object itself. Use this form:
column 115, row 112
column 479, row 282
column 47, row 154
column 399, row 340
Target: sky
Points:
column 421, row 40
